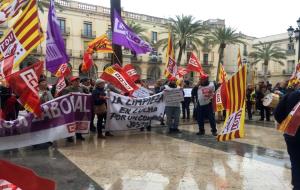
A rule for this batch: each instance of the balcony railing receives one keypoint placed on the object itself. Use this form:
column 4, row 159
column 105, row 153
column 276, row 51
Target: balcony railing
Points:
column 66, row 31
column 88, row 34
column 290, row 52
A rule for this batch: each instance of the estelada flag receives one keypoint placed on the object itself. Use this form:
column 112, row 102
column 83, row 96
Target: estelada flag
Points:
column 194, row 64
column 24, row 36
column 130, row 70
column 235, row 108
column 6, row 66
column 101, row 44
column 222, row 74
column 182, row 71
column 24, row 83
column 16, row 177
column 119, row 78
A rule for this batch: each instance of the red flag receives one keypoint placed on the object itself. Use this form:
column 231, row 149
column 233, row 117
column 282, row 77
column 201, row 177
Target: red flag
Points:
column 194, row 65
column 60, row 85
column 87, row 61
column 182, row 71
column 6, row 66
column 130, row 70
column 25, row 84
column 119, row 78
column 24, row 178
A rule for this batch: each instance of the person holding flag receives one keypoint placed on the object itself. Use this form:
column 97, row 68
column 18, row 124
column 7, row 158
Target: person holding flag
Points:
column 205, row 94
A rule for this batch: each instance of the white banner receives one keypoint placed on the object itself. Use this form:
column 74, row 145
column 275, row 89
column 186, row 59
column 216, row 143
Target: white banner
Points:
column 133, row 113
column 173, row 95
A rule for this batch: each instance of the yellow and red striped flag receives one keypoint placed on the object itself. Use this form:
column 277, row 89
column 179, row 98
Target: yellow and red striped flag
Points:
column 101, row 44
column 171, row 67
column 222, row 74
column 24, row 36
column 235, row 114
column 239, row 59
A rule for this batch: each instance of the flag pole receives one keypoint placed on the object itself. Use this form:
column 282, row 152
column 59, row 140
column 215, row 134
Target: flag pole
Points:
column 117, row 58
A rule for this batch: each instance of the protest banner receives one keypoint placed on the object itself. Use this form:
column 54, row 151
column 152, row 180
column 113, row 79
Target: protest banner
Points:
column 133, row 113
column 187, row 92
column 173, row 95
column 141, row 93
column 60, row 118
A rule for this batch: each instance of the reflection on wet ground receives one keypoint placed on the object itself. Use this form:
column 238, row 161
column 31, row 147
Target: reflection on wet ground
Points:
column 160, row 161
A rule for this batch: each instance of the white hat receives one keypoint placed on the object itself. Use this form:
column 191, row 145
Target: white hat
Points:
column 98, row 81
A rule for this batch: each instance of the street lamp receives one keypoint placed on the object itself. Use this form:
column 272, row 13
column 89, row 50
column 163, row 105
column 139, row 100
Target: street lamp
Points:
column 291, row 31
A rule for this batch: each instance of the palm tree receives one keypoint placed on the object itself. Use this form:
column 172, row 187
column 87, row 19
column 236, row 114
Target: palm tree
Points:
column 224, row 36
column 138, row 29
column 266, row 52
column 186, row 32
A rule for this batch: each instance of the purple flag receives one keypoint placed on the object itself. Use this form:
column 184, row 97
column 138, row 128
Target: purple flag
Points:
column 124, row 36
column 55, row 47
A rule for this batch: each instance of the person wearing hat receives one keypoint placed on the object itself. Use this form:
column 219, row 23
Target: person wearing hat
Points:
column 99, row 105
column 172, row 110
column 205, row 94
column 74, row 87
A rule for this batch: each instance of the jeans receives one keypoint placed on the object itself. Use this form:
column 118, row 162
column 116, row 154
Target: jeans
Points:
column 293, row 147
column 206, row 111
column 264, row 109
column 173, row 114
column 185, row 105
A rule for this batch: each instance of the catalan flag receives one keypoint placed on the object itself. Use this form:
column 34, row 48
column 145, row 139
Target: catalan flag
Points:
column 239, row 60
column 222, row 74
column 171, row 67
column 101, row 44
column 24, row 36
column 235, row 115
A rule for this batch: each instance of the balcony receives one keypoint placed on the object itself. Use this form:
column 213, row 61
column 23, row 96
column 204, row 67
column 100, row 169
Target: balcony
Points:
column 136, row 59
column 155, row 59
column 290, row 52
column 88, row 34
column 65, row 32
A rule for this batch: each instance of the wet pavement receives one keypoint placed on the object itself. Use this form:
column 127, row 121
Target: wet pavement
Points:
column 158, row 160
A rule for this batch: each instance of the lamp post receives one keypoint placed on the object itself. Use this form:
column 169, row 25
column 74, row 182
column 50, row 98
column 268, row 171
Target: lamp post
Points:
column 291, row 32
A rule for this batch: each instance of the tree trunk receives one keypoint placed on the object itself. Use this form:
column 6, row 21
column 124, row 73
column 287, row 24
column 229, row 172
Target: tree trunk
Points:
column 179, row 55
column 265, row 69
column 221, row 56
column 117, row 56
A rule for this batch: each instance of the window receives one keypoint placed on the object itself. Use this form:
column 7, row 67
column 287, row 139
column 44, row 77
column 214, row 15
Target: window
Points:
column 290, row 66
column 62, row 25
column 87, row 29
column 205, row 59
column 154, row 37
column 290, row 46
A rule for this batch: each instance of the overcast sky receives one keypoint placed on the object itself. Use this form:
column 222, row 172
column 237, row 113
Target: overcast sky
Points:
column 256, row 18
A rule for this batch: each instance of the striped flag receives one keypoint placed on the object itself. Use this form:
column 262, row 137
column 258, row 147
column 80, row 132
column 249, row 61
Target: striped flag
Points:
column 239, row 60
column 24, row 36
column 222, row 74
column 171, row 67
column 235, row 115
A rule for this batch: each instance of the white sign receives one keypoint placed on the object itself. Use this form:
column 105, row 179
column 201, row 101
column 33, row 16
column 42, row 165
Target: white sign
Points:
column 141, row 93
column 187, row 92
column 173, row 95
column 126, row 113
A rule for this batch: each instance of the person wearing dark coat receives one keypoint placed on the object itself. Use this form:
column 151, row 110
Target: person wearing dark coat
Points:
column 282, row 110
